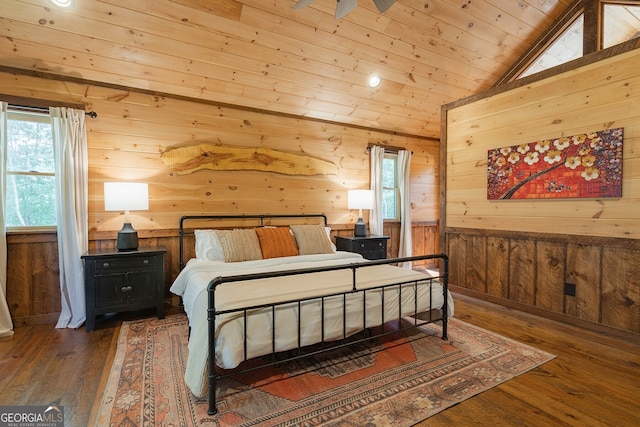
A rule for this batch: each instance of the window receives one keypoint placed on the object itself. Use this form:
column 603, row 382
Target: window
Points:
column 619, row 21
column 30, row 192
column 567, row 47
column 390, row 190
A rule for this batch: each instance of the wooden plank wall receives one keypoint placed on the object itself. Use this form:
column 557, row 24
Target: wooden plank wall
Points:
column 599, row 96
column 523, row 251
column 132, row 130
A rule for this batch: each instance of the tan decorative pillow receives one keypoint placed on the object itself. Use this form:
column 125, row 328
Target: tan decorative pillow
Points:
column 239, row 245
column 311, row 239
column 276, row 242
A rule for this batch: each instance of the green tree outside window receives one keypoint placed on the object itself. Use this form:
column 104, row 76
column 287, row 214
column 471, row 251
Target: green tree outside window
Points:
column 390, row 190
column 30, row 191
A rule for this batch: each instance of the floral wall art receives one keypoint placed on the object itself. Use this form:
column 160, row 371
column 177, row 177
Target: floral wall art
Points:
column 587, row 165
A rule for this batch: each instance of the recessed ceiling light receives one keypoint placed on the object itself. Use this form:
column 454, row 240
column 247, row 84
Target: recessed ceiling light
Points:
column 62, row 3
column 374, row 80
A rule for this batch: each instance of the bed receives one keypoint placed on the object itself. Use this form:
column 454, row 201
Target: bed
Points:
column 263, row 294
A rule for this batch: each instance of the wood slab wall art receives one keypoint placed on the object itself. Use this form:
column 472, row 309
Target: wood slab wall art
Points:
column 186, row 160
column 587, row 165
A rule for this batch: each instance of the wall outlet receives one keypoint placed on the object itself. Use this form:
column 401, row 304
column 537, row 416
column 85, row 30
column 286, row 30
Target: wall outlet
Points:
column 570, row 289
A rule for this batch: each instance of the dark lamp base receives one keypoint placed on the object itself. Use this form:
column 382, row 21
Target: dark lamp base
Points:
column 127, row 238
column 360, row 230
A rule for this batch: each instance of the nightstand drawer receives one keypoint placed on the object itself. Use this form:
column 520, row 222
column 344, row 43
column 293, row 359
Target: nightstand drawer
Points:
column 373, row 244
column 115, row 265
column 370, row 247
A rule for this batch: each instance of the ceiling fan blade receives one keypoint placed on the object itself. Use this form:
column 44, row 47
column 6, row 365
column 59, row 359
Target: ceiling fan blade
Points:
column 302, row 3
column 344, row 7
column 383, row 5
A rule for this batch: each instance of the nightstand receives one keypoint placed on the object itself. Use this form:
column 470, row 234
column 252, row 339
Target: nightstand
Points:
column 370, row 247
column 123, row 281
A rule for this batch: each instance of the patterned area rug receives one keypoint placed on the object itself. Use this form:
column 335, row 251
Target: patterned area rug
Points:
column 398, row 381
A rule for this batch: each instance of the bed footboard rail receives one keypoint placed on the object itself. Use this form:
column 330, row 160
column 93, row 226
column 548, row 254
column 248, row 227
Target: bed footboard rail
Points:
column 404, row 287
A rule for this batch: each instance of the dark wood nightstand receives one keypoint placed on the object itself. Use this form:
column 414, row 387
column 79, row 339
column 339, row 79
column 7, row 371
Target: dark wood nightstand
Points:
column 123, row 281
column 370, row 247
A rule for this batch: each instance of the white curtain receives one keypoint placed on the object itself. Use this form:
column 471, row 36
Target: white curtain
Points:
column 404, row 185
column 376, row 158
column 70, row 154
column 6, row 324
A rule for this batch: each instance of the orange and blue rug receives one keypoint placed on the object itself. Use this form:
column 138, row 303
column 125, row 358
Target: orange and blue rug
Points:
column 397, row 381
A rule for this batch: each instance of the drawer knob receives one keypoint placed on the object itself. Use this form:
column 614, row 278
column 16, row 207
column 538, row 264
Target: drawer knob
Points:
column 145, row 262
column 380, row 244
column 362, row 245
column 126, row 289
column 105, row 265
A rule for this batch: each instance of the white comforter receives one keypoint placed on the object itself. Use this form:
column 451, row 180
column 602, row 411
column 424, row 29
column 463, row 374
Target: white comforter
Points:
column 191, row 285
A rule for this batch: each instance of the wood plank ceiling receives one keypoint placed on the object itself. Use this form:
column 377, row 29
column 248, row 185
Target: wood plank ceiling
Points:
column 262, row 54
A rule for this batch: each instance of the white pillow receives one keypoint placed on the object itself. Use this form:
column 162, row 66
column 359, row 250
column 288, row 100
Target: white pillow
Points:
column 208, row 246
column 333, row 246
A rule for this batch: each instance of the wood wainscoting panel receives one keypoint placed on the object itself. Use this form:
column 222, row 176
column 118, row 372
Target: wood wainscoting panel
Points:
column 497, row 266
column 522, row 274
column 621, row 288
column 476, row 269
column 456, row 248
column 529, row 271
column 424, row 240
column 33, row 285
column 584, row 263
column 550, row 270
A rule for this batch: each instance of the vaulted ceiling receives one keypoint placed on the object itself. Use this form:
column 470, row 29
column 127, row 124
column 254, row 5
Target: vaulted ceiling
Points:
column 262, row 54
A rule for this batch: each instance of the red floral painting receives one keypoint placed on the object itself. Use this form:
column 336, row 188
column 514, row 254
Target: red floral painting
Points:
column 581, row 166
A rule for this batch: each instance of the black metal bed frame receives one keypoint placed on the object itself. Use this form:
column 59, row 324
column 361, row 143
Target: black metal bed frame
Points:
column 274, row 357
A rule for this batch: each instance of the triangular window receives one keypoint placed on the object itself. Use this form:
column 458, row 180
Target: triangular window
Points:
column 565, row 48
column 619, row 22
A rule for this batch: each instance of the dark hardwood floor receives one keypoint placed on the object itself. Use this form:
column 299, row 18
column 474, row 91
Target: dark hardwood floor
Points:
column 593, row 381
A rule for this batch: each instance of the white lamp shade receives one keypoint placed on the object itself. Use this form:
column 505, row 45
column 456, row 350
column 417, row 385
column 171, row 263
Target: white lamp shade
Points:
column 126, row 196
column 360, row 199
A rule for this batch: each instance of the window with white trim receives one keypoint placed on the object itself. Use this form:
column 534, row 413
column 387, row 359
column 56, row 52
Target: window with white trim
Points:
column 390, row 189
column 30, row 174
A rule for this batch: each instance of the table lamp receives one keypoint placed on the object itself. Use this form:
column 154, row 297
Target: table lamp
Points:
column 360, row 199
column 126, row 196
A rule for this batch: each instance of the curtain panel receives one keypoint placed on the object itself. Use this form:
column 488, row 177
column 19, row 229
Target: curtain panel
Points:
column 71, row 166
column 376, row 158
column 404, row 185
column 6, row 324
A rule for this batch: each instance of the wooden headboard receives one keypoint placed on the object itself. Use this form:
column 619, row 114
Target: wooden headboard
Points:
column 218, row 221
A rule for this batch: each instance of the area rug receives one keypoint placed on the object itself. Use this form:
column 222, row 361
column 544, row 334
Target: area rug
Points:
column 397, row 381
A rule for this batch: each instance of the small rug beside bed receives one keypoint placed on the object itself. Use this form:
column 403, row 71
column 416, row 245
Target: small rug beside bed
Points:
column 397, row 382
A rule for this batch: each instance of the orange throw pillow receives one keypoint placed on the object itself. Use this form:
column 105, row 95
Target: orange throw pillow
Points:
column 276, row 242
